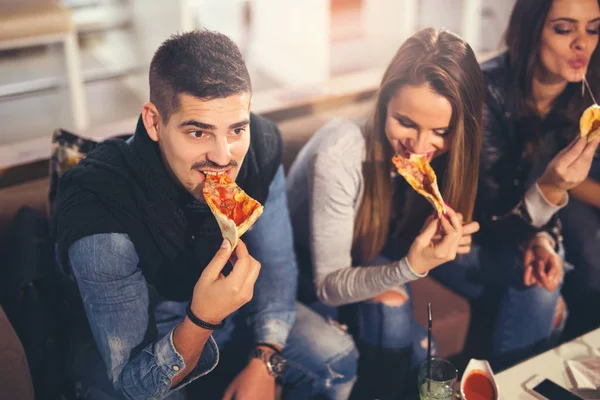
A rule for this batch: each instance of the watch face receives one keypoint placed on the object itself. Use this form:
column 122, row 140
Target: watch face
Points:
column 278, row 363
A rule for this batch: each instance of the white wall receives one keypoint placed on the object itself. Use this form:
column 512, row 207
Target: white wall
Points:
column 484, row 29
column 494, row 22
column 290, row 40
column 387, row 23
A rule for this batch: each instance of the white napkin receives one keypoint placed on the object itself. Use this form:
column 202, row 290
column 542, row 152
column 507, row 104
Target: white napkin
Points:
column 586, row 372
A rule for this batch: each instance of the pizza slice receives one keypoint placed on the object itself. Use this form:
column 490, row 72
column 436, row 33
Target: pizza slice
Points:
column 419, row 174
column 233, row 209
column 589, row 123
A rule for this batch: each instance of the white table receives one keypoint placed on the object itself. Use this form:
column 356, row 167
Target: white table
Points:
column 550, row 364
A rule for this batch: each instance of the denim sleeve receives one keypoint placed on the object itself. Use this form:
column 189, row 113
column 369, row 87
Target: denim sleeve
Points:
column 270, row 241
column 116, row 301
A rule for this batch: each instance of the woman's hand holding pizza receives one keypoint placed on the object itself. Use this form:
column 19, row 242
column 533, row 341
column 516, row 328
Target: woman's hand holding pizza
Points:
column 427, row 252
column 468, row 229
column 568, row 169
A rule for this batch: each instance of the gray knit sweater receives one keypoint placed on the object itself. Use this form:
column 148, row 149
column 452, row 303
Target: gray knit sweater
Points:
column 324, row 187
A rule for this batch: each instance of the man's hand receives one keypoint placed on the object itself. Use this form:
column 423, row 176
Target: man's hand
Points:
column 543, row 266
column 216, row 296
column 254, row 382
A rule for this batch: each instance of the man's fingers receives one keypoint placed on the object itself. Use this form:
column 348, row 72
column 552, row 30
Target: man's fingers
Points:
column 241, row 267
column 214, row 267
column 254, row 271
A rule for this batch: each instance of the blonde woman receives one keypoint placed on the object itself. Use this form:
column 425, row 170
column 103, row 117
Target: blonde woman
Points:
column 351, row 212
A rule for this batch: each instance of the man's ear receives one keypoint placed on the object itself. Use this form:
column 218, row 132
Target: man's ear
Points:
column 151, row 119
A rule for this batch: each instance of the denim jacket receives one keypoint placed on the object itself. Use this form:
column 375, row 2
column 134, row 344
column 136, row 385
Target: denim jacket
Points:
column 123, row 310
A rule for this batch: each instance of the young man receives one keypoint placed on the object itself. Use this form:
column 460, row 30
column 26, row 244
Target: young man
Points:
column 133, row 231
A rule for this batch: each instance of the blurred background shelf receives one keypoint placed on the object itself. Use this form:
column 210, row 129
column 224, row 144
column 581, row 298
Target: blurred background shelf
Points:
column 295, row 70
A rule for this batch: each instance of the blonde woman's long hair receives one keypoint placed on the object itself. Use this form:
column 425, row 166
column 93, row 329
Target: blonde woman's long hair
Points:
column 447, row 63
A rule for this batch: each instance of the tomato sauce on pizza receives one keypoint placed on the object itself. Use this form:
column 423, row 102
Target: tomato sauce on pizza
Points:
column 234, row 210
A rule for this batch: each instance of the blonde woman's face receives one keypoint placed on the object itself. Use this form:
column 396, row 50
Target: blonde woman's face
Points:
column 417, row 122
column 569, row 38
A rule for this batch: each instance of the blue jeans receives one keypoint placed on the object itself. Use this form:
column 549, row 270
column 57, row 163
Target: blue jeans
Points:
column 381, row 325
column 581, row 232
column 374, row 323
column 391, row 343
column 322, row 359
column 492, row 279
column 390, row 327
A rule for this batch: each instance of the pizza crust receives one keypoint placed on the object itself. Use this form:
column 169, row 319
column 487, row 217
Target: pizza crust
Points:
column 434, row 197
column 229, row 229
column 589, row 123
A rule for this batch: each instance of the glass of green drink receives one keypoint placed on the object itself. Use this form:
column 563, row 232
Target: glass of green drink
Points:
column 441, row 384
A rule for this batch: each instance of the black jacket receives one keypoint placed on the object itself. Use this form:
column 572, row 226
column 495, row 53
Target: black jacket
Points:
column 124, row 187
column 505, row 173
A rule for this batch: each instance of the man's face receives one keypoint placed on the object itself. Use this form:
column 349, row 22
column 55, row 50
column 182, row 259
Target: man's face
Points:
column 203, row 136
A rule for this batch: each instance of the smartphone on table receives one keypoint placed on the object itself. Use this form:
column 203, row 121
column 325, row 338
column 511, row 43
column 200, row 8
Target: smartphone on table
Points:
column 545, row 389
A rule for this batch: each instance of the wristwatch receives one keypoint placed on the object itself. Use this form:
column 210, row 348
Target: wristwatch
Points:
column 275, row 362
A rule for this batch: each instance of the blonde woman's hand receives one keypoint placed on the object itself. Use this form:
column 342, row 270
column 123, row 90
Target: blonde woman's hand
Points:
column 468, row 229
column 426, row 252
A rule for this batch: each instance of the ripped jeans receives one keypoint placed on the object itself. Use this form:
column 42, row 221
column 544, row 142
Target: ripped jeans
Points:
column 391, row 343
column 389, row 327
column 374, row 323
column 321, row 358
column 492, row 279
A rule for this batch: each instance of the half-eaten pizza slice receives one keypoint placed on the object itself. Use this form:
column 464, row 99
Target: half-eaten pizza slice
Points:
column 589, row 123
column 419, row 174
column 233, row 209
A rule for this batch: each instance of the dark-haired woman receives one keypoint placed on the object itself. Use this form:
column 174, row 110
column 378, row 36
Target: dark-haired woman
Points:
column 531, row 157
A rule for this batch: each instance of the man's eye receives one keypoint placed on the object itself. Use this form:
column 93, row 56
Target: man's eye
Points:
column 197, row 134
column 239, row 131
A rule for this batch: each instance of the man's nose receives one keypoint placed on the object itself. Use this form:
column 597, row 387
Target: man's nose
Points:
column 220, row 154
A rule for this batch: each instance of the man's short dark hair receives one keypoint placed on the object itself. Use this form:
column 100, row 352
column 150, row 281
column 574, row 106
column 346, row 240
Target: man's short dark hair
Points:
column 204, row 64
